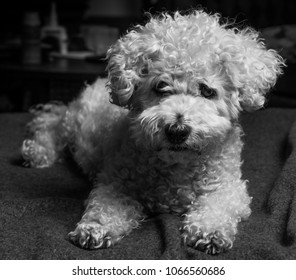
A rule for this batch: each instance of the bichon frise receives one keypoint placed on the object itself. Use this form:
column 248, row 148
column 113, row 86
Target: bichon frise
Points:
column 169, row 140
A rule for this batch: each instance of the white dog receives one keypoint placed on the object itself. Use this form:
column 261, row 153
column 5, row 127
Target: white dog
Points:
column 173, row 143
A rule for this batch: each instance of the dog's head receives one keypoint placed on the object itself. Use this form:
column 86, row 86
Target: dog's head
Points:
column 187, row 77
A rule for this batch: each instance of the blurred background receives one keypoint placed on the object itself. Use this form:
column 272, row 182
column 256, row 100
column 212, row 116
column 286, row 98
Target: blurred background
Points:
column 50, row 49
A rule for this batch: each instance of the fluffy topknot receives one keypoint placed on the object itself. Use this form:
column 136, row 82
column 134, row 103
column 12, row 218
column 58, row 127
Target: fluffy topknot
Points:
column 191, row 44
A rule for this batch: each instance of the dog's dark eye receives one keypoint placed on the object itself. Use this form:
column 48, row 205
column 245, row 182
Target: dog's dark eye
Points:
column 207, row 92
column 162, row 87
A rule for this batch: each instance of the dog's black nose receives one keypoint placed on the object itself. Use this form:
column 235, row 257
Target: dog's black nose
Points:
column 177, row 134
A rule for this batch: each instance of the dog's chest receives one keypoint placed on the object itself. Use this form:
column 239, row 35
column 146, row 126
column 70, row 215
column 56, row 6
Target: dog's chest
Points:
column 170, row 182
column 161, row 186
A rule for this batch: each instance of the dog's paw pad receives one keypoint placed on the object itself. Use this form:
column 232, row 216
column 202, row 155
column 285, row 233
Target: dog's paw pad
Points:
column 212, row 243
column 91, row 236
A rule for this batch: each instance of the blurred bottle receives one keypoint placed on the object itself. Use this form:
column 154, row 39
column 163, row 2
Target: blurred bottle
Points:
column 54, row 34
column 31, row 42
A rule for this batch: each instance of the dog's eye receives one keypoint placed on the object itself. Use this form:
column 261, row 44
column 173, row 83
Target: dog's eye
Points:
column 162, row 87
column 207, row 92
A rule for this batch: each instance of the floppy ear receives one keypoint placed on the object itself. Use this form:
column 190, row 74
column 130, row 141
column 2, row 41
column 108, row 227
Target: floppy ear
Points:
column 128, row 61
column 251, row 67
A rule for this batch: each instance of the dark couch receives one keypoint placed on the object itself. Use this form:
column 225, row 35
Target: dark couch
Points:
column 38, row 207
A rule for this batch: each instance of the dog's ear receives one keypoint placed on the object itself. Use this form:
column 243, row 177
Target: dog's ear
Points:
column 127, row 63
column 251, row 67
column 121, row 76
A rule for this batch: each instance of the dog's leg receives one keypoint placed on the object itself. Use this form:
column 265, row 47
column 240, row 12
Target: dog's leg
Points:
column 109, row 216
column 47, row 136
column 211, row 222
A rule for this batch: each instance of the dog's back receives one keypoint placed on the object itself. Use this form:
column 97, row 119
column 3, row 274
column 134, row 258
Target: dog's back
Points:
column 90, row 124
column 96, row 126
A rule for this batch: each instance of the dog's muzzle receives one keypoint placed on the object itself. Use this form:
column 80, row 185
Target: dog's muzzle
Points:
column 177, row 134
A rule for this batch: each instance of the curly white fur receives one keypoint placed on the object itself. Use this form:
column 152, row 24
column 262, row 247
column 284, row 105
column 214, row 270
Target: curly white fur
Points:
column 173, row 143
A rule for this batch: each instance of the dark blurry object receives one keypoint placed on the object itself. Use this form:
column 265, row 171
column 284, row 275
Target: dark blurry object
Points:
column 96, row 59
column 31, row 43
column 6, row 104
column 98, row 38
column 283, row 39
column 10, row 49
column 58, row 79
column 117, row 14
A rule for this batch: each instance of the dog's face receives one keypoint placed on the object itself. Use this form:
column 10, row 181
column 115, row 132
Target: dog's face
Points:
column 180, row 112
column 186, row 78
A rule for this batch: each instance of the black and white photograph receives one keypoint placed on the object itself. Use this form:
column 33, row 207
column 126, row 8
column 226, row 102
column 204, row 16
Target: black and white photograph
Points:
column 148, row 130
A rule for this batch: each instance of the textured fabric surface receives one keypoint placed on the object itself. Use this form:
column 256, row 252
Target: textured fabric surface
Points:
column 38, row 207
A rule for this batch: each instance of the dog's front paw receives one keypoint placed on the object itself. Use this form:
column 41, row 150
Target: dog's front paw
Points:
column 92, row 236
column 210, row 243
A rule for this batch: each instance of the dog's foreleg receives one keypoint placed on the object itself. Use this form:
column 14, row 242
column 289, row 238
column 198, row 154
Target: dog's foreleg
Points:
column 210, row 224
column 109, row 216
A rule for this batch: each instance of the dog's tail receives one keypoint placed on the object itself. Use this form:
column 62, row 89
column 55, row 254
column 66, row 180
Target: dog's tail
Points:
column 47, row 135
